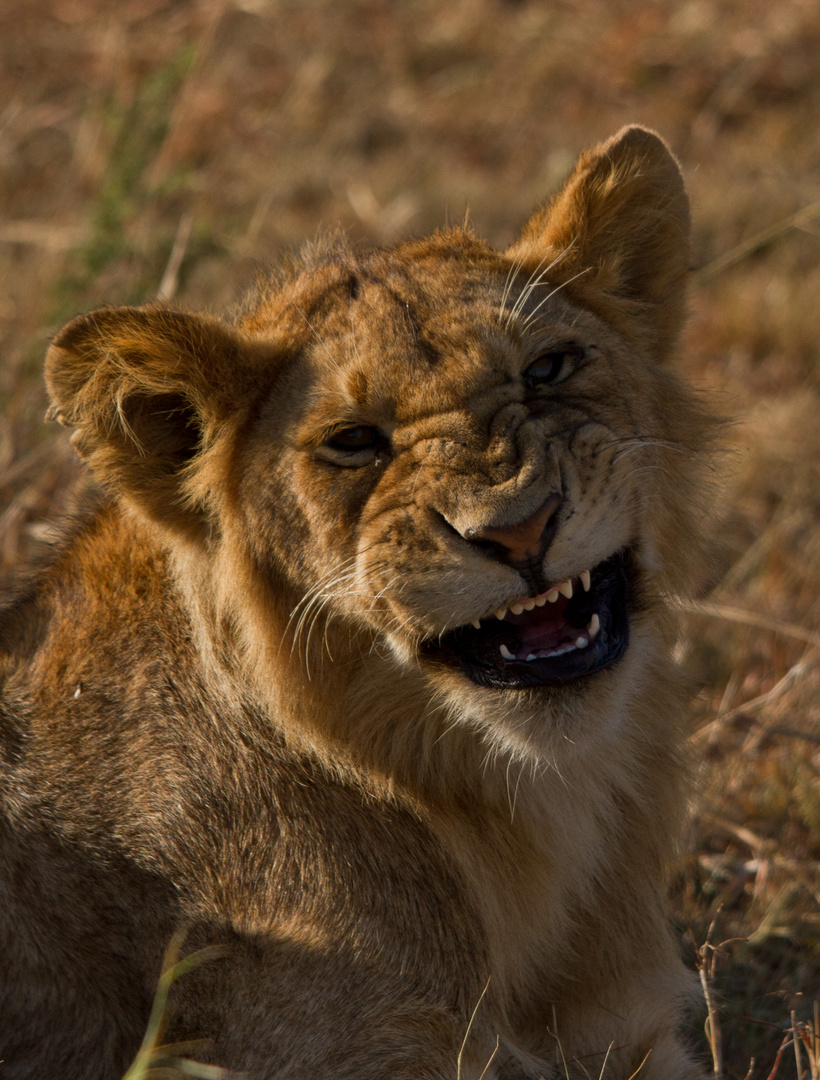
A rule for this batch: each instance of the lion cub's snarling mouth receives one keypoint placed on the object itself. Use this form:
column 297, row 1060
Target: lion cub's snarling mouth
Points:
column 572, row 629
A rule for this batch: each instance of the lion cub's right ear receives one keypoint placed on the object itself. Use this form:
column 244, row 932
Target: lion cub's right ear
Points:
column 149, row 390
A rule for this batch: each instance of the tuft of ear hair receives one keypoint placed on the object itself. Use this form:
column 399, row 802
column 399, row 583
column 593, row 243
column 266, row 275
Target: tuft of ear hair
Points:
column 617, row 236
column 147, row 390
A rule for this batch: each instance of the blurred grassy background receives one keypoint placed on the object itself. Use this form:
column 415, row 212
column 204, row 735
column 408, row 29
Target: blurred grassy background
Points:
column 149, row 147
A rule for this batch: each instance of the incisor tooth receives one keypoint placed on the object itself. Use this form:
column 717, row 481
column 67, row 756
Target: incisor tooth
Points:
column 581, row 643
column 564, row 651
column 565, row 588
column 541, row 600
column 531, row 656
column 586, row 580
column 516, row 609
column 505, row 652
column 594, row 627
column 552, row 595
column 528, row 605
column 476, row 624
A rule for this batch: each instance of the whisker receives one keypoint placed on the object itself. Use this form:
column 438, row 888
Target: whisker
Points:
column 512, row 273
column 552, row 293
column 315, row 593
column 650, row 468
column 348, row 579
column 531, row 283
column 534, row 282
column 639, row 442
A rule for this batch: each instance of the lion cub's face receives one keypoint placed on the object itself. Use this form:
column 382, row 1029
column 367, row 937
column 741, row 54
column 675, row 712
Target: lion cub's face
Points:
column 461, row 450
column 477, row 458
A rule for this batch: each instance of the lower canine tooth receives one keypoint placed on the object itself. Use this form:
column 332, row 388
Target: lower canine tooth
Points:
column 594, row 627
column 505, row 652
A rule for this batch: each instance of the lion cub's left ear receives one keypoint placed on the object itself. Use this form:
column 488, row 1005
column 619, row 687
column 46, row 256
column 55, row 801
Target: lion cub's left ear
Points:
column 617, row 235
column 150, row 391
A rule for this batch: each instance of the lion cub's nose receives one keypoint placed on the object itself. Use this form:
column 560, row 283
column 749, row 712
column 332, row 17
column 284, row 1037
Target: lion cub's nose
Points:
column 524, row 542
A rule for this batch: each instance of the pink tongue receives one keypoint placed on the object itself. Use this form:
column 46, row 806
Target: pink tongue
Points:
column 544, row 627
column 548, row 636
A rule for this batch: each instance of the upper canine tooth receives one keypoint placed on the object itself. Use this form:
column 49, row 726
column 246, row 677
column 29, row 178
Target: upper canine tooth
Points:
column 516, row 609
column 476, row 624
column 500, row 613
column 565, row 588
column 586, row 580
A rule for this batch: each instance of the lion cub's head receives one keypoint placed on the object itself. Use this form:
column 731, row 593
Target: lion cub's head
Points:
column 473, row 464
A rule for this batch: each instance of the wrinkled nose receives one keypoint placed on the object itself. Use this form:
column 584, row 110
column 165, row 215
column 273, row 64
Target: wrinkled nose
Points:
column 524, row 542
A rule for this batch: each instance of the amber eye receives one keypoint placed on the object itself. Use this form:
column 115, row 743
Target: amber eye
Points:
column 553, row 366
column 354, row 438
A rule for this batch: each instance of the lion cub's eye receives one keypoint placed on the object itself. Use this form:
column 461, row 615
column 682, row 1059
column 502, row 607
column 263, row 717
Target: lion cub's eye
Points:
column 553, row 366
column 352, row 446
column 353, row 438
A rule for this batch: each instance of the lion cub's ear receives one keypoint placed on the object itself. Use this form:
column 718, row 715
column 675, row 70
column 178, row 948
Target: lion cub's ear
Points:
column 617, row 235
column 148, row 390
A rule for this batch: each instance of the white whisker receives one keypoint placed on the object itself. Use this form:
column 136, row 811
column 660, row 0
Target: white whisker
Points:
column 512, row 273
column 534, row 281
column 552, row 293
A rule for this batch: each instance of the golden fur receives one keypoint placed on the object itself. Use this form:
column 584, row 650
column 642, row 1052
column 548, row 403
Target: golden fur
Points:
column 228, row 702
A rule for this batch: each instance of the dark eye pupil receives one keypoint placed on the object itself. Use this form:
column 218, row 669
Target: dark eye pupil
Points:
column 550, row 366
column 354, row 438
column 544, row 370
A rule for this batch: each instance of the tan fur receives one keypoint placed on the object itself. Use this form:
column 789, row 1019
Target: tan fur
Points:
column 217, row 709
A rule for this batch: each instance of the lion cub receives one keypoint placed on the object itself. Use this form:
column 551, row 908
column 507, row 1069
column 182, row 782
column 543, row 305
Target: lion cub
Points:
column 357, row 664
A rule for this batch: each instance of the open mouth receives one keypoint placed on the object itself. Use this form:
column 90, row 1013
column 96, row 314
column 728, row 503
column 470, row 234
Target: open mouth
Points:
column 574, row 628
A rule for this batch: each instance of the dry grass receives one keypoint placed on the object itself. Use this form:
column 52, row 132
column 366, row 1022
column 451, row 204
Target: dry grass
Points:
column 156, row 1060
column 150, row 146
